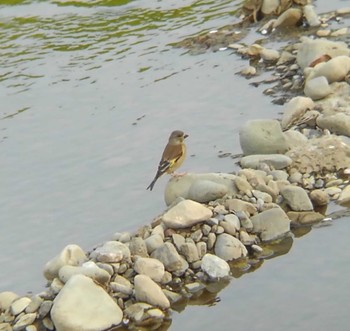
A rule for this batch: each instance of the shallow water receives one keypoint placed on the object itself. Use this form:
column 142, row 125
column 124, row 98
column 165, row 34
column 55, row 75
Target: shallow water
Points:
column 89, row 92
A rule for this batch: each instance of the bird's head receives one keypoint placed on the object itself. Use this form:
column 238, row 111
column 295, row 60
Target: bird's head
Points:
column 177, row 137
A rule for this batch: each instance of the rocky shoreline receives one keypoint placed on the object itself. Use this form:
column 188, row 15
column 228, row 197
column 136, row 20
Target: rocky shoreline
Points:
column 292, row 169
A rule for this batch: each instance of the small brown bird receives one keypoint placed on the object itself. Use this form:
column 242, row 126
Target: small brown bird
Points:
column 173, row 156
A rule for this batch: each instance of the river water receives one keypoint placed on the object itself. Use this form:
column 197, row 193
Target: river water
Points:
column 90, row 91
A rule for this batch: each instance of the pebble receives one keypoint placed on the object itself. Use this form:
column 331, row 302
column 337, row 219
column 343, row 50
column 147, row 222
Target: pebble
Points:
column 170, row 258
column 24, row 321
column 297, row 198
column 96, row 309
column 121, row 285
column 271, row 224
column 190, row 252
column 236, row 205
column 153, row 242
column 6, row 299
column 138, row 247
column 311, row 16
column 89, row 269
column 150, row 267
column 211, row 240
column 344, row 197
column 178, row 240
column 70, row 255
column 19, row 305
column 291, row 17
column 319, row 198
column 201, row 248
column 146, row 290
column 111, row 252
column 294, row 110
column 317, row 88
column 229, row 248
column 186, row 214
column 338, row 123
column 214, row 266
column 334, row 70
column 34, row 305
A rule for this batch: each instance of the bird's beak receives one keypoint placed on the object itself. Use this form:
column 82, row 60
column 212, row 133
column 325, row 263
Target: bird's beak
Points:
column 185, row 136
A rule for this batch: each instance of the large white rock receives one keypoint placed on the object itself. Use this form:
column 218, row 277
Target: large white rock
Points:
column 271, row 224
column 199, row 187
column 70, row 255
column 214, row 266
column 262, row 137
column 6, row 299
column 229, row 248
column 146, row 290
column 82, row 305
column 311, row 49
column 185, row 214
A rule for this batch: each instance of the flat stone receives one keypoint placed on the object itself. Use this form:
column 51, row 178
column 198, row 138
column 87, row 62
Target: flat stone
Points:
column 121, row 285
column 297, row 198
column 111, row 252
column 214, row 266
column 236, row 205
column 186, row 214
column 89, row 269
column 70, row 255
column 276, row 161
column 24, row 321
column 153, row 268
column 84, row 305
column 305, row 217
column 229, row 248
column 271, row 224
column 146, row 290
column 181, row 187
column 19, row 305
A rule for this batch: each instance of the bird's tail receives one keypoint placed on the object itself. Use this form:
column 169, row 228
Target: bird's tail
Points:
column 150, row 186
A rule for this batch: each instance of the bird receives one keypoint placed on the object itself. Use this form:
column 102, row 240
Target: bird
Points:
column 173, row 156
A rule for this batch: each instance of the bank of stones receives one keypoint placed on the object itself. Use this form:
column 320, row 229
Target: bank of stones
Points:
column 289, row 175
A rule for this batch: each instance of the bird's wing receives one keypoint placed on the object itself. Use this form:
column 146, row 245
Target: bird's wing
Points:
column 170, row 155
